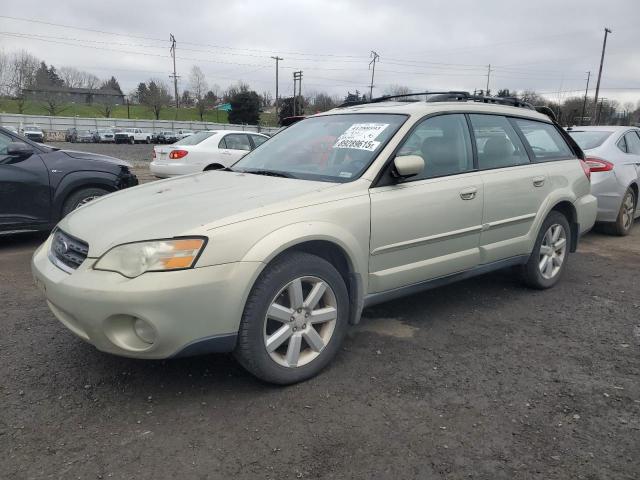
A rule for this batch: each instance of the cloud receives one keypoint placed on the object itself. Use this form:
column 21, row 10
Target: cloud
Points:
column 544, row 45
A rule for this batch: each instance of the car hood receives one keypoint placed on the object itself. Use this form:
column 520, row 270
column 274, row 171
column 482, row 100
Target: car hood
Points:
column 187, row 205
column 95, row 157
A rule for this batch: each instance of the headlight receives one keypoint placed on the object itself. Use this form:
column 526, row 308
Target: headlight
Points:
column 133, row 259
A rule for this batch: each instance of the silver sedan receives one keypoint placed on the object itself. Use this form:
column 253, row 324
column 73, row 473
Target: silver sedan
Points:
column 613, row 154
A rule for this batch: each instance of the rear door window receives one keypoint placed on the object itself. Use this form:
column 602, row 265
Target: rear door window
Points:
column 497, row 142
column 545, row 141
column 633, row 143
column 237, row 141
column 258, row 140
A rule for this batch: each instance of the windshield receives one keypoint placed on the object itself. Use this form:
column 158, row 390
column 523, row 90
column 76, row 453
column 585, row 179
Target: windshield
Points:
column 330, row 148
column 589, row 139
column 195, row 138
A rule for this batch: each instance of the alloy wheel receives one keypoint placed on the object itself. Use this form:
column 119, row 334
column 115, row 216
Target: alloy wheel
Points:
column 628, row 209
column 552, row 251
column 300, row 321
column 86, row 200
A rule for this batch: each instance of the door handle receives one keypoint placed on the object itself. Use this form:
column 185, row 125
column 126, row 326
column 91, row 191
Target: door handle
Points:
column 468, row 193
column 538, row 181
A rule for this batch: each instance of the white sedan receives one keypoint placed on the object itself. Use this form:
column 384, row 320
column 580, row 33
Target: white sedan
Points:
column 202, row 151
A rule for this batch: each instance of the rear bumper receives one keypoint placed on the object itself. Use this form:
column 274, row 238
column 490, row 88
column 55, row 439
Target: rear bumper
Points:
column 165, row 170
column 586, row 212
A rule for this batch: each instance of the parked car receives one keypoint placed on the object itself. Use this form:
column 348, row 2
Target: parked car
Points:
column 184, row 133
column 167, row 136
column 39, row 184
column 85, row 136
column 613, row 154
column 203, row 151
column 33, row 132
column 71, row 135
column 132, row 135
column 106, row 135
column 274, row 257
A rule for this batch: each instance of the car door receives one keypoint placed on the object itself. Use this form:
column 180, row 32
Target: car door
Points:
column 516, row 187
column 632, row 139
column 234, row 146
column 25, row 198
column 428, row 226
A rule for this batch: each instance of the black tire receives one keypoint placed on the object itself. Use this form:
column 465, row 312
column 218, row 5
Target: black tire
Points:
column 132, row 140
column 251, row 350
column 214, row 166
column 148, row 140
column 621, row 227
column 531, row 271
column 77, row 198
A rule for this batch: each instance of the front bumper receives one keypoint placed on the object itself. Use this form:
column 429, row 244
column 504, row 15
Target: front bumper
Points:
column 190, row 311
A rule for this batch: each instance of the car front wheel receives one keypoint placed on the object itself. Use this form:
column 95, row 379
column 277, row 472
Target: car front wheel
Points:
column 548, row 259
column 295, row 319
column 80, row 198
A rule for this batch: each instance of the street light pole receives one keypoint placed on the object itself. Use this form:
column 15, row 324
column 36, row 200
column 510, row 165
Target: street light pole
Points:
column 607, row 31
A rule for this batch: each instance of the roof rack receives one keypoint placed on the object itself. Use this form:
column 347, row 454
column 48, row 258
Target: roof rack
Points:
column 450, row 96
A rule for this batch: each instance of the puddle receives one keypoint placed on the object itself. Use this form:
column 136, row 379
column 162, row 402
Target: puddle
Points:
column 389, row 327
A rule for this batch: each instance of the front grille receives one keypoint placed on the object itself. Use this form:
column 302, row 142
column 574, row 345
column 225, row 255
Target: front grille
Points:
column 67, row 252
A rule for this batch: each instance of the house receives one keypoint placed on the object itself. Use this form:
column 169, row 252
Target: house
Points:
column 77, row 95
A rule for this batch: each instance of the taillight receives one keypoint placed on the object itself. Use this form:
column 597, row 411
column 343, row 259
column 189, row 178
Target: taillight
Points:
column 175, row 154
column 598, row 165
column 586, row 169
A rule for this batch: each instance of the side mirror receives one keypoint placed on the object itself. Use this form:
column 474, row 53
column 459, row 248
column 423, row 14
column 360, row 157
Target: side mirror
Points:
column 19, row 149
column 407, row 166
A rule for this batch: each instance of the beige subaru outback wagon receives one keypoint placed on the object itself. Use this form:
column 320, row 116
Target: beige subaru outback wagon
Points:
column 275, row 257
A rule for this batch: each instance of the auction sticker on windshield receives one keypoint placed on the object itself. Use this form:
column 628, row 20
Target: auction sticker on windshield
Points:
column 361, row 136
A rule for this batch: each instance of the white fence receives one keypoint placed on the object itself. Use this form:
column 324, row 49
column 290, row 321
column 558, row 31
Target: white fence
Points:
column 54, row 125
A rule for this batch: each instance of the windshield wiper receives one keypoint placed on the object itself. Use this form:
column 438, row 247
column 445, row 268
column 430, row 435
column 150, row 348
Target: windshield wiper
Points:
column 270, row 173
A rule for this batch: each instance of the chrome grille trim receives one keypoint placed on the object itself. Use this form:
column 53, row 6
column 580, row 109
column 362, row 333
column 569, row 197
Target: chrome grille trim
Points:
column 67, row 252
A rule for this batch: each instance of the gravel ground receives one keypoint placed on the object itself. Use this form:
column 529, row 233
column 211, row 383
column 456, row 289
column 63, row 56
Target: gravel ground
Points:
column 480, row 379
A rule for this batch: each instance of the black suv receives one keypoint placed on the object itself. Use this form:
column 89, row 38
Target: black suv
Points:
column 39, row 184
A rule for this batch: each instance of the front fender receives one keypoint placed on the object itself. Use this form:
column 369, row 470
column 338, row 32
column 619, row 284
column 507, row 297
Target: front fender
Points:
column 80, row 179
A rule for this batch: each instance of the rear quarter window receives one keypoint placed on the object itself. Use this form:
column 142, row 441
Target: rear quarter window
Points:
column 544, row 140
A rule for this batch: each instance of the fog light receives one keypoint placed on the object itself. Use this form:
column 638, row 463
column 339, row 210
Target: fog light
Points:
column 144, row 330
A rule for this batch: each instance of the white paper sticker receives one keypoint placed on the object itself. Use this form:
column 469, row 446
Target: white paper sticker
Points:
column 345, row 174
column 361, row 136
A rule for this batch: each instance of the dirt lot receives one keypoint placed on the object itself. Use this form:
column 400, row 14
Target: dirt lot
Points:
column 481, row 379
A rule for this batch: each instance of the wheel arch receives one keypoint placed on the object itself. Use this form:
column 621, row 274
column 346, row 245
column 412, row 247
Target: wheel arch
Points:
column 74, row 182
column 213, row 166
column 566, row 208
column 342, row 251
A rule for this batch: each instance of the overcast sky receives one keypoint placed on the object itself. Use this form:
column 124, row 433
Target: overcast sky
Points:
column 546, row 45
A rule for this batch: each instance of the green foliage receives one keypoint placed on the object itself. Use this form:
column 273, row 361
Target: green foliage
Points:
column 286, row 107
column 245, row 108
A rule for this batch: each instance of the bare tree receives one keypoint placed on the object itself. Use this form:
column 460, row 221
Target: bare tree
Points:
column 397, row 90
column 199, row 87
column 72, row 77
column 4, row 73
column 22, row 72
column 89, row 80
column 53, row 101
column 155, row 96
column 267, row 99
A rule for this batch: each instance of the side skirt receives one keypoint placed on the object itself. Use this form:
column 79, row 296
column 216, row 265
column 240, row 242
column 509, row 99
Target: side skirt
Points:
column 380, row 297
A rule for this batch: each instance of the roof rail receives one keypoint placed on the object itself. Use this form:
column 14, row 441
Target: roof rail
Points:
column 449, row 96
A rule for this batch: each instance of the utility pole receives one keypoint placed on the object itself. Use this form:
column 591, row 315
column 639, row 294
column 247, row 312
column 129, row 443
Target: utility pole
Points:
column 604, row 46
column 488, row 78
column 375, row 57
column 172, row 39
column 277, row 59
column 297, row 81
column 584, row 103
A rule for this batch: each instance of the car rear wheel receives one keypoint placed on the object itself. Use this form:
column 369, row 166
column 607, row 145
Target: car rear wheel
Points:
column 548, row 259
column 132, row 140
column 294, row 321
column 624, row 222
column 80, row 198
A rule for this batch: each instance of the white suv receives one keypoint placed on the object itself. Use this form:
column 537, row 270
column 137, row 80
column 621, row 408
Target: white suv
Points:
column 274, row 258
